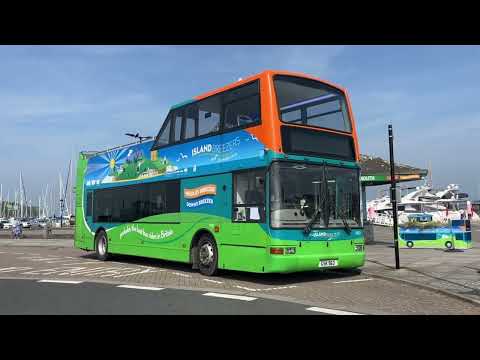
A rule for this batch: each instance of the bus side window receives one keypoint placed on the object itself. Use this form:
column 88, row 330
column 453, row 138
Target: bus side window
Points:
column 89, row 203
column 163, row 137
column 209, row 111
column 178, row 126
column 242, row 106
column 165, row 197
column 191, row 122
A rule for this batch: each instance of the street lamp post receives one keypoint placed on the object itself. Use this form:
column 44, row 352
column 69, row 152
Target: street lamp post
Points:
column 393, row 197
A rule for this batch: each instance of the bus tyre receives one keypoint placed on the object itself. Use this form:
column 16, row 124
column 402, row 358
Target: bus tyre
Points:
column 207, row 255
column 101, row 246
column 448, row 245
column 410, row 244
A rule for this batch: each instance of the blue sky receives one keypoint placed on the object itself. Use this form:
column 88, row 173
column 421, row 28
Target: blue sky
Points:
column 58, row 100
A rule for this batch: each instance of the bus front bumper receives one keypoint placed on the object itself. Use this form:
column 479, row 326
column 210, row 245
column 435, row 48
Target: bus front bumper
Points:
column 309, row 262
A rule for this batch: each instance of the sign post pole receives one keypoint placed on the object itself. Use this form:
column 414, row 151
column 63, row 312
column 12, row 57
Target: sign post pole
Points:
column 393, row 197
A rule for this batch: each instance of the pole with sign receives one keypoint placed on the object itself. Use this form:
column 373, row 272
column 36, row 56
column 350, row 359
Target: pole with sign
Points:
column 393, row 197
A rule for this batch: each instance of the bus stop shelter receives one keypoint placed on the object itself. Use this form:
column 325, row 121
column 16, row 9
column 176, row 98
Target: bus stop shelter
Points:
column 375, row 171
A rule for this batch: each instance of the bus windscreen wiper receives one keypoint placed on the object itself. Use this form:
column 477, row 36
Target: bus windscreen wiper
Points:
column 308, row 227
column 343, row 216
column 321, row 206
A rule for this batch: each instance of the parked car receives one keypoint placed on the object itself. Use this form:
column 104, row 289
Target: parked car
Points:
column 25, row 223
column 7, row 226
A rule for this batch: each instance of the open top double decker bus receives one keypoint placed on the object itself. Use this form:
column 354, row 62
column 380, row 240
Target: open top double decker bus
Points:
column 260, row 176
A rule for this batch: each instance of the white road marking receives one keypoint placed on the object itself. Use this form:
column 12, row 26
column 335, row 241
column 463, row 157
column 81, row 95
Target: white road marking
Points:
column 180, row 274
column 82, row 263
column 139, row 272
column 13, row 269
column 350, row 281
column 60, row 281
column 278, row 288
column 228, row 296
column 41, row 272
column 331, row 311
column 139, row 287
column 245, row 288
column 213, row 281
column 63, row 261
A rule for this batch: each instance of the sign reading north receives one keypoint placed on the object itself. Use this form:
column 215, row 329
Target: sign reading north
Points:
column 201, row 195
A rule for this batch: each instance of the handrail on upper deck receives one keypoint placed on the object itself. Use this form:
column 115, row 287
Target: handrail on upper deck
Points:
column 91, row 153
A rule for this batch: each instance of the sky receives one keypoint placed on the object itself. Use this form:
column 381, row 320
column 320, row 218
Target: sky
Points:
column 58, row 100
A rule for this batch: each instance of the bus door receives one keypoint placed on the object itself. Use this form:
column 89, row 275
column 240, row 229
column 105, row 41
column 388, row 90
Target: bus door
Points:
column 87, row 213
column 248, row 207
column 89, row 207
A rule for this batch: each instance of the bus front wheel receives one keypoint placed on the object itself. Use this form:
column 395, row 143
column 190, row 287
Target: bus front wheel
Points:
column 101, row 245
column 207, row 255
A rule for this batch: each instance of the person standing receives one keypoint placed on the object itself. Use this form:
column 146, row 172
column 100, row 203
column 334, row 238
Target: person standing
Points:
column 469, row 210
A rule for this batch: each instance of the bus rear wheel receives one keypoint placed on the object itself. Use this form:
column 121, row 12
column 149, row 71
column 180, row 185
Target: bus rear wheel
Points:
column 448, row 245
column 101, row 246
column 207, row 255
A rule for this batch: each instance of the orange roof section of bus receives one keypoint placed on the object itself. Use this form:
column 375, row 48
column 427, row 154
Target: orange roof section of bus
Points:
column 269, row 131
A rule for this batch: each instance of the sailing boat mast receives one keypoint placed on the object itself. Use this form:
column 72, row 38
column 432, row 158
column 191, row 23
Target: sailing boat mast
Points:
column 430, row 172
column 66, row 187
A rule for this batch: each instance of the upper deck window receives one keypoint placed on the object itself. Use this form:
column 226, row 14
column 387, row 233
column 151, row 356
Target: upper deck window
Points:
column 242, row 106
column 209, row 115
column 237, row 108
column 163, row 137
column 309, row 102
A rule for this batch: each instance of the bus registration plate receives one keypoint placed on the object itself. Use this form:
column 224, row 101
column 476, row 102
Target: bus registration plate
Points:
column 328, row 263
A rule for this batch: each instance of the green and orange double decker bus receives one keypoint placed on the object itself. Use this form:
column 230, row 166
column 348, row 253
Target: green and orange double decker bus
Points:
column 261, row 175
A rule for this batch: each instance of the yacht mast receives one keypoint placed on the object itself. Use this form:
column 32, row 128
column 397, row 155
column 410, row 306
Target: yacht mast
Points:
column 430, row 172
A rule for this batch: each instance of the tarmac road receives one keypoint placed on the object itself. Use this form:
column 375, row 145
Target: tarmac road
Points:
column 333, row 291
column 22, row 297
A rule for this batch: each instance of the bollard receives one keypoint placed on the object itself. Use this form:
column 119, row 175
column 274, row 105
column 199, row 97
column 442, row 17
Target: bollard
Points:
column 368, row 231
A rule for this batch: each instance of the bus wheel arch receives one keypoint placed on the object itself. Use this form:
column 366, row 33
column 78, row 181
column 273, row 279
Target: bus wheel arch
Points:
column 101, row 244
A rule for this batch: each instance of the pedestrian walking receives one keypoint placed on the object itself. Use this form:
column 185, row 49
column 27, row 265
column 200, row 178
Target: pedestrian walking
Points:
column 17, row 229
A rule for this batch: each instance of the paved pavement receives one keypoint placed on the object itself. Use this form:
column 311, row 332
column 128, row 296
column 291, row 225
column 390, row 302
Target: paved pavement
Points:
column 57, row 233
column 455, row 272
column 335, row 290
